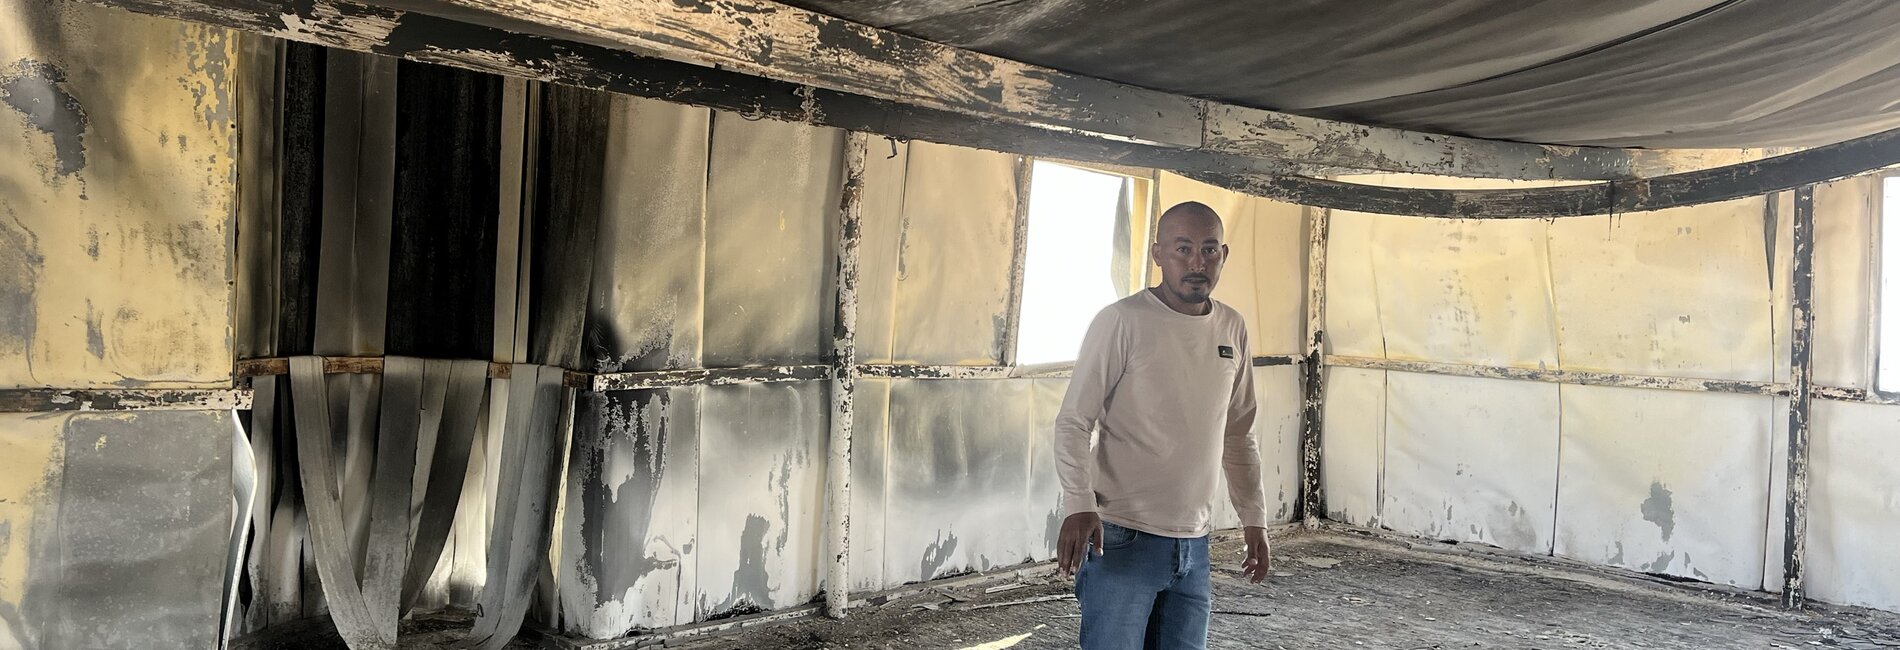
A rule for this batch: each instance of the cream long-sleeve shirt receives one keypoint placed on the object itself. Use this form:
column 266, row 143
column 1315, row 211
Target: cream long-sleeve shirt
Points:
column 1159, row 399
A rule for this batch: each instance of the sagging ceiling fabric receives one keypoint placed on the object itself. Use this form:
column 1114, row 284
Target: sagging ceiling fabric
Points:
column 1624, row 73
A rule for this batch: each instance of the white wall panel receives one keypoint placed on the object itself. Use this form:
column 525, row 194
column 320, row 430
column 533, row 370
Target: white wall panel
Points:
column 1854, row 505
column 1277, row 427
column 1471, row 460
column 1352, row 293
column 1464, row 291
column 1665, row 482
column 1352, row 449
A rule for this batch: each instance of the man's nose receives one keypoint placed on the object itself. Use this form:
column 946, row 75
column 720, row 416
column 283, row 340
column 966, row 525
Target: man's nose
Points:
column 1197, row 262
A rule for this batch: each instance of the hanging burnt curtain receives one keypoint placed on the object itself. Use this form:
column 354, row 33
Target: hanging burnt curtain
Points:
column 385, row 231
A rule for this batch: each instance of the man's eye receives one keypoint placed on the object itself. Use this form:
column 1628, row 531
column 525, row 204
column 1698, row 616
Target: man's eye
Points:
column 1183, row 250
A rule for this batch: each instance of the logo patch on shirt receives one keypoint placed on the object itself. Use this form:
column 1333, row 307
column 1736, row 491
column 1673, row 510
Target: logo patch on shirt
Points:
column 1226, row 352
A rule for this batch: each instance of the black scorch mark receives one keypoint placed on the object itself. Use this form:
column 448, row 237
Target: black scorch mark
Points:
column 36, row 90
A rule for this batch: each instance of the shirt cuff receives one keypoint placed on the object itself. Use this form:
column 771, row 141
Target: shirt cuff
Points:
column 1073, row 503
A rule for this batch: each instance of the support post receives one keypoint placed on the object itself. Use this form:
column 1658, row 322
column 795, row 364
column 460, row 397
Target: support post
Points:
column 844, row 341
column 1312, row 491
column 1793, row 593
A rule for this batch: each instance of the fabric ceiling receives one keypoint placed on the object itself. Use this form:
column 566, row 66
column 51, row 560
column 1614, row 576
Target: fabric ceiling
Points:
column 1627, row 73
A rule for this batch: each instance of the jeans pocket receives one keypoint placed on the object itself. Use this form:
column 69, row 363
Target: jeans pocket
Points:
column 1116, row 537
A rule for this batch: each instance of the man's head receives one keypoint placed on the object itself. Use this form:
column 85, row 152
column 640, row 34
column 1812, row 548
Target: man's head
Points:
column 1189, row 250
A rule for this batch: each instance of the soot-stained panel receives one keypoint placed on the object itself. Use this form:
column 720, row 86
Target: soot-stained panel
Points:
column 442, row 234
column 118, row 527
column 1666, row 482
column 1352, row 450
column 771, row 197
column 117, row 192
column 959, row 484
column 870, row 469
column 649, row 263
column 1678, row 293
column 1854, row 505
column 954, row 252
column 629, row 529
column 1045, row 487
column 1471, row 460
column 761, row 496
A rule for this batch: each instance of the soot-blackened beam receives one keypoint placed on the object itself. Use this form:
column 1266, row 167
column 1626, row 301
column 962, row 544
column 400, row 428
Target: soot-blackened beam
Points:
column 1806, row 168
column 825, row 65
column 374, row 366
column 1572, row 377
column 844, row 359
column 48, row 400
column 1312, row 505
column 1800, row 401
column 618, row 381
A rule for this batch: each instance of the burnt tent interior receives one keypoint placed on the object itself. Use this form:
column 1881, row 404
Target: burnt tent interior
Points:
column 617, row 323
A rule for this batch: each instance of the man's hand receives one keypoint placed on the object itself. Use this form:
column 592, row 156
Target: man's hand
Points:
column 1259, row 554
column 1077, row 532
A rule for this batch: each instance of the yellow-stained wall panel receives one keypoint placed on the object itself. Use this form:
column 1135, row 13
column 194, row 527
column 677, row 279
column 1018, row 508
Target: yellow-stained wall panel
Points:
column 1844, row 248
column 117, row 142
column 1681, row 293
column 955, row 243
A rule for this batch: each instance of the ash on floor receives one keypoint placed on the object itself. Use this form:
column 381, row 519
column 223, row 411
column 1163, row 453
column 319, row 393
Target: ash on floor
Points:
column 1336, row 590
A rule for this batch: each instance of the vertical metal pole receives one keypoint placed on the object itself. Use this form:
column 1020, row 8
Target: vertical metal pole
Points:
column 1018, row 257
column 1312, row 491
column 1793, row 594
column 844, row 342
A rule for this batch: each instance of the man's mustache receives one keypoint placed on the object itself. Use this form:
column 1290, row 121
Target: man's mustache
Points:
column 1194, row 276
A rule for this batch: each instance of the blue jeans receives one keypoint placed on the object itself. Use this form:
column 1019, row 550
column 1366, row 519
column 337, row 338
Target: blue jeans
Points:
column 1145, row 591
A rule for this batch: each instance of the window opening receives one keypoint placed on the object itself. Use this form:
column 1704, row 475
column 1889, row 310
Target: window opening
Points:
column 1086, row 249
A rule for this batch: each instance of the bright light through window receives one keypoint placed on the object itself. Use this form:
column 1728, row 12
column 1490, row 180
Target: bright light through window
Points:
column 1888, row 378
column 1069, row 267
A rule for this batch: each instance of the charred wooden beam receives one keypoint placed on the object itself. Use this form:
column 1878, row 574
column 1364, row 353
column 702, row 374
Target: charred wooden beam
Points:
column 844, row 370
column 823, row 65
column 1279, row 360
column 1572, row 377
column 51, row 400
column 1801, row 361
column 904, row 371
column 1861, row 395
column 616, row 381
column 1312, row 504
column 374, row 366
column 1778, row 173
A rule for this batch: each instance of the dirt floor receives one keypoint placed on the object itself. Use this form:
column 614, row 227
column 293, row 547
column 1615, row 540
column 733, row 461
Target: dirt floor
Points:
column 1327, row 590
column 1333, row 591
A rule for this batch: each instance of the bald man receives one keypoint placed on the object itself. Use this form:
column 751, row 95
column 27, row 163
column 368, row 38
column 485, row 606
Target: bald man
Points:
column 1161, row 398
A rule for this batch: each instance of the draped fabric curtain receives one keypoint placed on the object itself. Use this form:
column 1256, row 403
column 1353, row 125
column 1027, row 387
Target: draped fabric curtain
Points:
column 394, row 214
